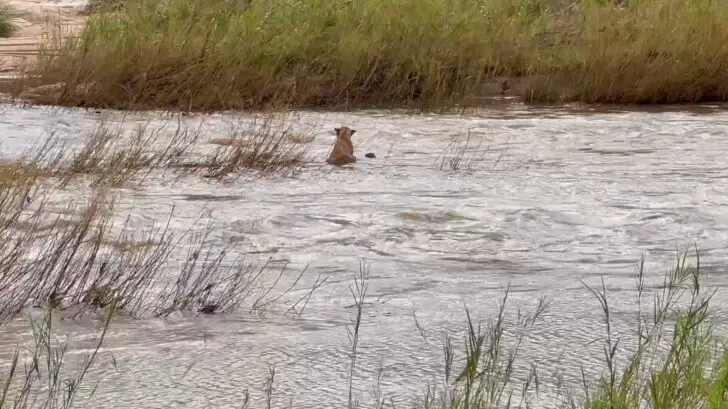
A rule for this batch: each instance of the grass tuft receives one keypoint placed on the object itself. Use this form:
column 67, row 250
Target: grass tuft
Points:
column 100, row 6
column 83, row 257
column 114, row 157
column 676, row 362
column 8, row 28
column 266, row 147
column 44, row 380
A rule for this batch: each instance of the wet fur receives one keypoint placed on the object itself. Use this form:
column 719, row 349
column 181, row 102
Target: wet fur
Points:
column 343, row 150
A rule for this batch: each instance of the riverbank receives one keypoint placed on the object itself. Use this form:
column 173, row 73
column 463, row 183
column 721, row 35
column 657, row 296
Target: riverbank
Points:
column 210, row 55
column 33, row 23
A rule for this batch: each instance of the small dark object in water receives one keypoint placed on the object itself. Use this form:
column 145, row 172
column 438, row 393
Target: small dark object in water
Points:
column 370, row 155
column 209, row 309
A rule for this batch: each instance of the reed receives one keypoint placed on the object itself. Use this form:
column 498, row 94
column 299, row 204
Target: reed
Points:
column 676, row 360
column 115, row 156
column 44, row 381
column 80, row 257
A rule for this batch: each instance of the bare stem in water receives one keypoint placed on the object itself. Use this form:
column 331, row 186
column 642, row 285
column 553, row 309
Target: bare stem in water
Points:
column 358, row 293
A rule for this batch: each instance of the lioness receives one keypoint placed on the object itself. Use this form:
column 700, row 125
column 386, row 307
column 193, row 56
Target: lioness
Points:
column 343, row 151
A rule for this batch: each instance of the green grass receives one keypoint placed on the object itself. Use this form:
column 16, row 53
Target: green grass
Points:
column 256, row 54
column 676, row 360
column 7, row 26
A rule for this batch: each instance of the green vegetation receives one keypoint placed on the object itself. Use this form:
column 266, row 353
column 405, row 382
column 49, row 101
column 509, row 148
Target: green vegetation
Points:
column 219, row 54
column 7, row 26
column 95, row 6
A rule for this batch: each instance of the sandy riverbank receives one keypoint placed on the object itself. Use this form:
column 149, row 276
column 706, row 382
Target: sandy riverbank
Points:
column 34, row 20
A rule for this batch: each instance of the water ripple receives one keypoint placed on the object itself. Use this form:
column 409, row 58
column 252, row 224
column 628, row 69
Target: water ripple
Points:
column 553, row 196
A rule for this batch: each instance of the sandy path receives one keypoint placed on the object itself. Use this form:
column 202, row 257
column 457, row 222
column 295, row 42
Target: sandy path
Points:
column 34, row 18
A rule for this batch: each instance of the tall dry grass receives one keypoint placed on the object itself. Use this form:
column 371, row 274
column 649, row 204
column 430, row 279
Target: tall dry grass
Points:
column 113, row 155
column 38, row 376
column 82, row 259
column 83, row 256
column 216, row 54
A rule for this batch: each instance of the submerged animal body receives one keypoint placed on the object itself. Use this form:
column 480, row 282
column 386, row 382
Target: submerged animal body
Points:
column 343, row 150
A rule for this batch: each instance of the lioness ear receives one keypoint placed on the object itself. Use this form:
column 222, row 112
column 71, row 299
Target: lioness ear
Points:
column 337, row 130
column 353, row 131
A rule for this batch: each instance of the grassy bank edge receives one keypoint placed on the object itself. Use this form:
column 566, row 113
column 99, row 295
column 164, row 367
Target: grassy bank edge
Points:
column 189, row 56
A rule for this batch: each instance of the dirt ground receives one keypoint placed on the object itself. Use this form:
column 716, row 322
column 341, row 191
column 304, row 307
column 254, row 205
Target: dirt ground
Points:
column 35, row 19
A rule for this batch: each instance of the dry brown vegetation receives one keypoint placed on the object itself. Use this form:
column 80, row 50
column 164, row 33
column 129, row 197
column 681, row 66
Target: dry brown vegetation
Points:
column 69, row 266
column 114, row 157
column 216, row 54
column 273, row 153
column 85, row 256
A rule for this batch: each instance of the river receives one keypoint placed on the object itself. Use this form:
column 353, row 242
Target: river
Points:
column 544, row 198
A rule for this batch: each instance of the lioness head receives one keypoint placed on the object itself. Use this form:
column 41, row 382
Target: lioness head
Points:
column 344, row 131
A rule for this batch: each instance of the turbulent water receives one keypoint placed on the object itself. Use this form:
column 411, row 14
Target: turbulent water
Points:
column 541, row 199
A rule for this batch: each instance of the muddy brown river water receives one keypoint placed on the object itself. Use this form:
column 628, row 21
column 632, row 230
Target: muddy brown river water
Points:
column 544, row 198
